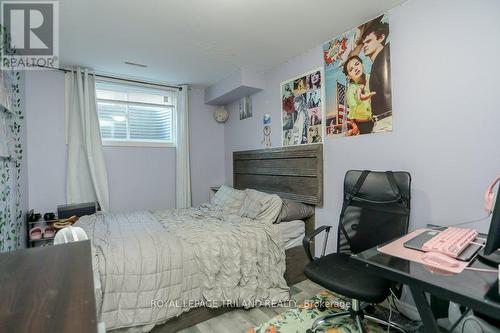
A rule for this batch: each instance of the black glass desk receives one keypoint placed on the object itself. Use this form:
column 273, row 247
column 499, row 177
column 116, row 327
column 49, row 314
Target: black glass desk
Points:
column 477, row 290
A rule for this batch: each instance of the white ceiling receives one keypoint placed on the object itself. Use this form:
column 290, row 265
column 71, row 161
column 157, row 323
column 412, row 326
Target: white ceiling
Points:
column 200, row 42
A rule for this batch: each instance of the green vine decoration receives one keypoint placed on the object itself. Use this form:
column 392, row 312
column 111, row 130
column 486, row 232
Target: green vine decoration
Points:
column 11, row 214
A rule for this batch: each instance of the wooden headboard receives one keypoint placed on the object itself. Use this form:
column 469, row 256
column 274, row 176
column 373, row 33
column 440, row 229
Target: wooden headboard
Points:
column 291, row 172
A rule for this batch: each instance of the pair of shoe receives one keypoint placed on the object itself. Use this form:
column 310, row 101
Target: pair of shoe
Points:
column 39, row 232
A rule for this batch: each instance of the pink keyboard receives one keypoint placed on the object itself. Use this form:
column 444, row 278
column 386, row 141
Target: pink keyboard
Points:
column 451, row 241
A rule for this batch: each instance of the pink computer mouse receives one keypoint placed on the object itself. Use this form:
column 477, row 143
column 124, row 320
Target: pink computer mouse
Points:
column 439, row 260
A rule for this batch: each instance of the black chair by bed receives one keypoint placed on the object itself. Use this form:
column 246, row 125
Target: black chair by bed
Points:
column 376, row 209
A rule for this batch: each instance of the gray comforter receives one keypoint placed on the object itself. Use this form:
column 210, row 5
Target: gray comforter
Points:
column 154, row 266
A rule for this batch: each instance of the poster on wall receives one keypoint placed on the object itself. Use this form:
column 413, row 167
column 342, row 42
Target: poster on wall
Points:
column 301, row 109
column 358, row 80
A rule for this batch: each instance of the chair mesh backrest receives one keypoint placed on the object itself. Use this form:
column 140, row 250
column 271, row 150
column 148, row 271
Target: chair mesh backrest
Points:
column 375, row 210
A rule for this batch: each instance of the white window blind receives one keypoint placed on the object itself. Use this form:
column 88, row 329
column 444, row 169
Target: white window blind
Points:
column 135, row 115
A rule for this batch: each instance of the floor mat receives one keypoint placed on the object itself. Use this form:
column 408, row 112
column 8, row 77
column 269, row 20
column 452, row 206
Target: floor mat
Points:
column 300, row 319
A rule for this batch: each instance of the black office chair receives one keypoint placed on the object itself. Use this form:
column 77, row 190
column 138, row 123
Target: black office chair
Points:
column 376, row 209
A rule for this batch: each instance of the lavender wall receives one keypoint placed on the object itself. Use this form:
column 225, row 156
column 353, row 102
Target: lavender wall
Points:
column 139, row 178
column 46, row 146
column 446, row 120
column 207, row 148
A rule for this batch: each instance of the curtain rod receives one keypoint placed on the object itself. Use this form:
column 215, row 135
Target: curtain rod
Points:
column 118, row 78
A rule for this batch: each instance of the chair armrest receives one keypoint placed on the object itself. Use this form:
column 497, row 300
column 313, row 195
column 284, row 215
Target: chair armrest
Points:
column 307, row 240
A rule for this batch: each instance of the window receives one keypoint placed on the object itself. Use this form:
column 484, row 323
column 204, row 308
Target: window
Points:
column 132, row 115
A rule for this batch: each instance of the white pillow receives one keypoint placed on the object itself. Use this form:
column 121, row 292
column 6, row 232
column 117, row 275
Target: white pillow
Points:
column 229, row 199
column 253, row 203
column 260, row 206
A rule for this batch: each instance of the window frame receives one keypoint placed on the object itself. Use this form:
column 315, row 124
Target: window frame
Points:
column 140, row 143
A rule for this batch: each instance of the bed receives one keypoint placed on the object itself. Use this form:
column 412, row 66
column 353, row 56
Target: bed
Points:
column 186, row 266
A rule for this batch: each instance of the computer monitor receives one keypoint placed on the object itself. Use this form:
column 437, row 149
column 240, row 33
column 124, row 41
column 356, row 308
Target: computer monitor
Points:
column 491, row 252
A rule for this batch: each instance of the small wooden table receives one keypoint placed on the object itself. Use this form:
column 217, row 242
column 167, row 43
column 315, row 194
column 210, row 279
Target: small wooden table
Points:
column 48, row 289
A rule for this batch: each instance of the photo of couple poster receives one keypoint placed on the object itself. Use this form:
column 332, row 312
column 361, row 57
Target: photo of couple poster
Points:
column 358, row 81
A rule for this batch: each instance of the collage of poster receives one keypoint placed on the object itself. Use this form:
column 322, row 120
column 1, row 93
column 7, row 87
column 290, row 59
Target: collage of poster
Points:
column 358, row 81
column 301, row 109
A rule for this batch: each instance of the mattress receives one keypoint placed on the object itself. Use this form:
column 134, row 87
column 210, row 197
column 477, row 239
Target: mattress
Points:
column 291, row 232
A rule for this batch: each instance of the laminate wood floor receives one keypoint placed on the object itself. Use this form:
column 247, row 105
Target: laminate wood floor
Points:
column 239, row 321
